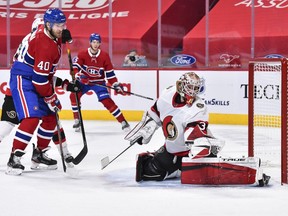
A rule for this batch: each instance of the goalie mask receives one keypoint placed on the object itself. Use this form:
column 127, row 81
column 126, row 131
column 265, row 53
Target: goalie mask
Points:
column 188, row 86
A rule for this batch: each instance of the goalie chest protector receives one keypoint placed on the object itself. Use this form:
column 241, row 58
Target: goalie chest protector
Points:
column 219, row 171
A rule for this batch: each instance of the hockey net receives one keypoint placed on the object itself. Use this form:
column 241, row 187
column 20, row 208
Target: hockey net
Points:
column 267, row 113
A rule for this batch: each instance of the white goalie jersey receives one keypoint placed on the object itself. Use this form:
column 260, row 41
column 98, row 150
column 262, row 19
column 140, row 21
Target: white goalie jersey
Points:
column 179, row 120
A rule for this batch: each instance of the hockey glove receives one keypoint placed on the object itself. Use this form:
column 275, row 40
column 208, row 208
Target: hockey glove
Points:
column 84, row 79
column 118, row 87
column 53, row 103
column 71, row 86
column 66, row 36
column 143, row 131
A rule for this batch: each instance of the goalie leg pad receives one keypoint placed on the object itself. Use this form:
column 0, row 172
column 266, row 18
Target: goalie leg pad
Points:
column 157, row 166
column 140, row 163
column 147, row 169
column 221, row 171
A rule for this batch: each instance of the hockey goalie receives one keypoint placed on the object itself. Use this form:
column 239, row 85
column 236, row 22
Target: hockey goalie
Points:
column 190, row 151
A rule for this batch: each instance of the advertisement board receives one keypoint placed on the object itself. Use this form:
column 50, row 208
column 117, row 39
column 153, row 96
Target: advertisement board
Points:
column 224, row 92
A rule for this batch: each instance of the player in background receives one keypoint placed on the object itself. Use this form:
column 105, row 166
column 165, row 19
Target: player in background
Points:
column 93, row 66
column 9, row 117
column 32, row 84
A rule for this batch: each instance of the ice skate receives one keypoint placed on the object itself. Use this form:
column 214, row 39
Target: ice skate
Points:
column 40, row 158
column 14, row 166
column 125, row 126
column 68, row 158
column 76, row 125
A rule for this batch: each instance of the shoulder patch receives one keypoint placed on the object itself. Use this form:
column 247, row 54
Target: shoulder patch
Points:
column 200, row 105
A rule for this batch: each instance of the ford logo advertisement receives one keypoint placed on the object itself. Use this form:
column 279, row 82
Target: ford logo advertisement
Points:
column 183, row 60
column 274, row 56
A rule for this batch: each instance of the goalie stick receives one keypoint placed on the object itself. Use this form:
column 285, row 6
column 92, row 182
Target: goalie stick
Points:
column 127, row 92
column 105, row 161
column 84, row 150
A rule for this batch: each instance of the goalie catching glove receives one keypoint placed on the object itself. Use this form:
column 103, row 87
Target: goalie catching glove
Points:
column 143, row 131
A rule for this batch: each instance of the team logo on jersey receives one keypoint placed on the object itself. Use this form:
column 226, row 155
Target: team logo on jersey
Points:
column 11, row 114
column 94, row 71
column 169, row 128
column 171, row 131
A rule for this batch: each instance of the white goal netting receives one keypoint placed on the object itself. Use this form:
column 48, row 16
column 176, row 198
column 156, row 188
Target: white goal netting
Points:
column 266, row 109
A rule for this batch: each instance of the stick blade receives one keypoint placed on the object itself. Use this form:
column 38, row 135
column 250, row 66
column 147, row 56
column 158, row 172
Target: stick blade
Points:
column 104, row 162
column 81, row 155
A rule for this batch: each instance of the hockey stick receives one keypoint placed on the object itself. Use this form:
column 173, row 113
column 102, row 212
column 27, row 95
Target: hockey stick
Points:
column 84, row 150
column 60, row 140
column 127, row 92
column 105, row 161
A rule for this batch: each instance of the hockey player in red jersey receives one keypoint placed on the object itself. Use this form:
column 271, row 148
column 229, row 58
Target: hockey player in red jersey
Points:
column 32, row 84
column 9, row 120
column 93, row 66
column 183, row 116
column 9, row 117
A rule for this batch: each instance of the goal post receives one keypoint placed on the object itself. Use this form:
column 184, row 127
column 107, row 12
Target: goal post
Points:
column 267, row 112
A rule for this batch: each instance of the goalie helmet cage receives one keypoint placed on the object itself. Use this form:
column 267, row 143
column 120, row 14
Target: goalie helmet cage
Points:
column 267, row 112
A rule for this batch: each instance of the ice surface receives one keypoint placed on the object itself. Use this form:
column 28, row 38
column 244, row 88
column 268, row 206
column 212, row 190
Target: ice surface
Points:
column 113, row 190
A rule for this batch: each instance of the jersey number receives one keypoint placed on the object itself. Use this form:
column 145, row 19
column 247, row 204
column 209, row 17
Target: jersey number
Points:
column 44, row 66
column 202, row 126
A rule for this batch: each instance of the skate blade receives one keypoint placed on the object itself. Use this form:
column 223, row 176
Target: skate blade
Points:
column 77, row 129
column 37, row 166
column 12, row 171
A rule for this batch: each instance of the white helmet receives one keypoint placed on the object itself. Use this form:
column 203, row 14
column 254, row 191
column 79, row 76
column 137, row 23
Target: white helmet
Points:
column 36, row 23
column 188, row 86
